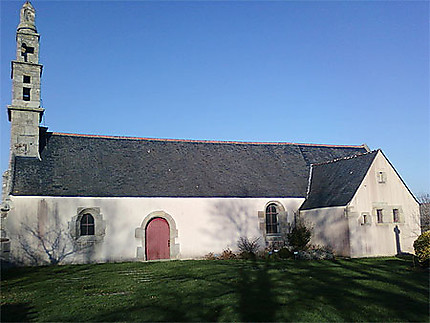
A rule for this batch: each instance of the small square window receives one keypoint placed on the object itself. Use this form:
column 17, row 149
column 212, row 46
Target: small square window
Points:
column 26, row 79
column 365, row 218
column 379, row 216
column 396, row 217
column 26, row 94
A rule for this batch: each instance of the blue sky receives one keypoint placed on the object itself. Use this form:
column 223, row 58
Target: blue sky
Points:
column 335, row 72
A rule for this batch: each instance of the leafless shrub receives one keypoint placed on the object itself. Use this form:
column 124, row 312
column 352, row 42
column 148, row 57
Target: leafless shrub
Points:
column 227, row 254
column 248, row 248
column 210, row 256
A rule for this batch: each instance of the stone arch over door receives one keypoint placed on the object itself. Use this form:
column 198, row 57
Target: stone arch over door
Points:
column 140, row 234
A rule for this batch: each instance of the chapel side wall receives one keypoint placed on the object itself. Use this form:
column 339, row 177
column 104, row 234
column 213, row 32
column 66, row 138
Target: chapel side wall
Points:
column 379, row 239
column 204, row 224
column 329, row 228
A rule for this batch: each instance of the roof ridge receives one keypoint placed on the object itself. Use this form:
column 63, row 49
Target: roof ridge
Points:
column 345, row 158
column 206, row 141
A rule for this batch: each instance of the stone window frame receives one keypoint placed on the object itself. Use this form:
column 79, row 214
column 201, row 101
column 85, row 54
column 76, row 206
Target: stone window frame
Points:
column 87, row 225
column 381, row 176
column 401, row 218
column 26, row 93
column 273, row 239
column 396, row 215
column 269, row 215
column 365, row 218
column 387, row 214
column 99, row 226
column 379, row 213
column 140, row 234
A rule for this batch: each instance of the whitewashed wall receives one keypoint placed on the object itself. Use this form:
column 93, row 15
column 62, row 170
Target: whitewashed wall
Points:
column 204, row 224
column 343, row 228
column 379, row 239
column 329, row 228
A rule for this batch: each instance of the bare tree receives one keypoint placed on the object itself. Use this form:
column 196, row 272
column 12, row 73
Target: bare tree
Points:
column 424, row 200
column 249, row 246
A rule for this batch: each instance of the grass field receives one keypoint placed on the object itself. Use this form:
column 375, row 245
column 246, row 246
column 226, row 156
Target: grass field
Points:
column 383, row 289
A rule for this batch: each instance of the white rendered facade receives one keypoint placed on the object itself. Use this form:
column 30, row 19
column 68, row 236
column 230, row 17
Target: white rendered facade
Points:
column 203, row 224
column 354, row 230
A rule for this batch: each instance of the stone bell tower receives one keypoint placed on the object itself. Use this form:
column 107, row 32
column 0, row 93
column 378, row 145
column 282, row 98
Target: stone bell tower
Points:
column 25, row 112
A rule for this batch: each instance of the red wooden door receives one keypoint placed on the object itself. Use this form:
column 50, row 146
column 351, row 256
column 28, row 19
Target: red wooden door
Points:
column 157, row 239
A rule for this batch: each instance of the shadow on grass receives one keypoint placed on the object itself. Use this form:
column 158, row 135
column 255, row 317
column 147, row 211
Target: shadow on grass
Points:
column 287, row 290
column 183, row 296
column 169, row 306
column 245, row 296
column 20, row 312
column 352, row 290
column 257, row 302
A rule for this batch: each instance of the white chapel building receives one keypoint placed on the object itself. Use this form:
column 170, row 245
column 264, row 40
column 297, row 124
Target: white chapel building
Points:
column 88, row 198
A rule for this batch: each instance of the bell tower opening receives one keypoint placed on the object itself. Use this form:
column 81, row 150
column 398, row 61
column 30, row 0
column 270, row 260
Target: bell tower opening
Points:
column 25, row 50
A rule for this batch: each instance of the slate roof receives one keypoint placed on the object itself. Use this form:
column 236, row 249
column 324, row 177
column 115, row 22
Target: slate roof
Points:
column 334, row 183
column 97, row 166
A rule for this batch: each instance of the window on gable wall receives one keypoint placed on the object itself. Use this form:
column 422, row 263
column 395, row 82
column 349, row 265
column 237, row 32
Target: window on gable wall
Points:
column 382, row 177
column 271, row 219
column 87, row 225
column 366, row 218
column 396, row 217
column 379, row 216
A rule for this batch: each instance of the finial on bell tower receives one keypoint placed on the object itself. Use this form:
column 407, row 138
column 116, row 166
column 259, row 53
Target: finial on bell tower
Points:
column 27, row 18
column 25, row 112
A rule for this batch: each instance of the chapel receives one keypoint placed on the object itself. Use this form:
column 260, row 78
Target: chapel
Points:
column 89, row 198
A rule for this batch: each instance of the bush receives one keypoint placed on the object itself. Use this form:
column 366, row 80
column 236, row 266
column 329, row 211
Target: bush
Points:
column 247, row 255
column 210, row 256
column 314, row 254
column 285, row 253
column 268, row 254
column 299, row 237
column 422, row 248
column 227, row 254
column 248, row 248
column 320, row 252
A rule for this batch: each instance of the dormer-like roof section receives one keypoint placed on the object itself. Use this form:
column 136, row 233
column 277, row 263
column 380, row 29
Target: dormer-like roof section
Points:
column 102, row 166
column 335, row 182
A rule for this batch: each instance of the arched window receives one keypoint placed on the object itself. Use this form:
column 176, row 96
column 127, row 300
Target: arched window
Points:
column 87, row 225
column 271, row 218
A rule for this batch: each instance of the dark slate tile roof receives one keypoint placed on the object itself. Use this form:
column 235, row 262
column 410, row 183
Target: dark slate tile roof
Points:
column 83, row 165
column 335, row 183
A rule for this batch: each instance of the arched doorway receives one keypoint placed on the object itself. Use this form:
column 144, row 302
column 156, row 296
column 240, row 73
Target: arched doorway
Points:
column 157, row 238
column 141, row 235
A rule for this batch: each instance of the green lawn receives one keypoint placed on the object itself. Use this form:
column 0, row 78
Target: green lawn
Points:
column 383, row 289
